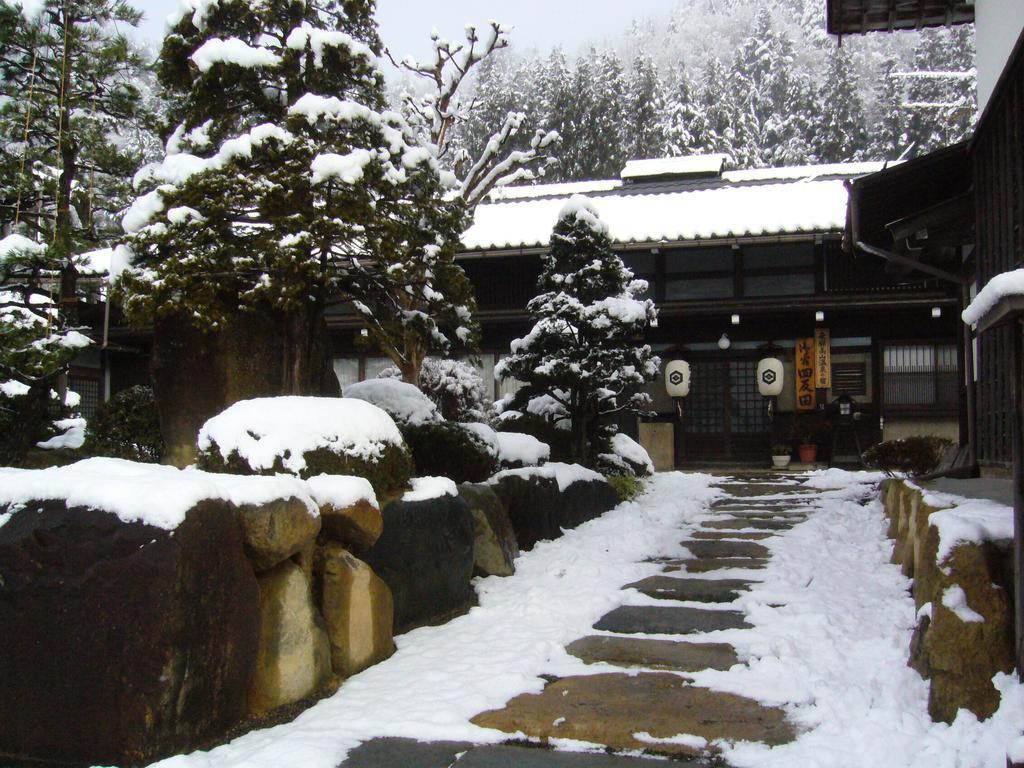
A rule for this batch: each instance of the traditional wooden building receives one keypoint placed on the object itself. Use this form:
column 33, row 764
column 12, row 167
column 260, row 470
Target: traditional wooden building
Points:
column 741, row 264
column 957, row 213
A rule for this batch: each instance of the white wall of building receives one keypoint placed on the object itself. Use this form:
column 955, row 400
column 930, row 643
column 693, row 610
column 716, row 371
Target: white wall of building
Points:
column 998, row 24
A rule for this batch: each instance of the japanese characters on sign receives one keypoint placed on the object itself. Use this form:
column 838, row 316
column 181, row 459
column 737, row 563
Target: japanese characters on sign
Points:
column 822, row 359
column 805, row 393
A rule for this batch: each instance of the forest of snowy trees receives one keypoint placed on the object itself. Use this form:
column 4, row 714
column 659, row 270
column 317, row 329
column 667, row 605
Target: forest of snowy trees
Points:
column 759, row 81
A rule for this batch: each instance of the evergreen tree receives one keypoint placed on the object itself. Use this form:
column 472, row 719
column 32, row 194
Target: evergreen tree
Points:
column 582, row 354
column 605, row 128
column 645, row 113
column 889, row 136
column 715, row 118
column 941, row 95
column 839, row 133
column 682, row 115
column 557, row 104
column 67, row 90
column 286, row 183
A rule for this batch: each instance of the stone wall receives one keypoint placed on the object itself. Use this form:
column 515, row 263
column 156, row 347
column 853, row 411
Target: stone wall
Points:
column 964, row 634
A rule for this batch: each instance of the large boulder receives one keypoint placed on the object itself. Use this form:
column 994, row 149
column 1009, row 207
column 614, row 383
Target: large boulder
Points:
column 542, row 501
column 358, row 609
column 349, row 511
column 494, row 543
column 425, row 556
column 274, row 531
column 294, row 654
column 122, row 641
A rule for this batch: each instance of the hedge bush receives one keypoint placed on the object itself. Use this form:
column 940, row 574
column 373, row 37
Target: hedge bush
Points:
column 913, row 455
column 450, row 450
column 126, row 427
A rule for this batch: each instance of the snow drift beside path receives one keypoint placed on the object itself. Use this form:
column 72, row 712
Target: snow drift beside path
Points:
column 832, row 625
column 442, row 676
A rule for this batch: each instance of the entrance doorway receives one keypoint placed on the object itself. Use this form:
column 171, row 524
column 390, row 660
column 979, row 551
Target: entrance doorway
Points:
column 724, row 417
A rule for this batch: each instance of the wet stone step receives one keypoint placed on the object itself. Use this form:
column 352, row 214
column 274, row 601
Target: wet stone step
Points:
column 610, row 708
column 668, row 620
column 698, row 590
column 661, row 654
column 737, row 523
column 734, row 535
column 744, row 490
column 718, row 549
column 709, row 564
column 533, row 757
column 407, row 753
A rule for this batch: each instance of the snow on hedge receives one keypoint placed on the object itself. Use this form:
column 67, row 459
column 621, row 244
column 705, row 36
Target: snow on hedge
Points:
column 402, row 401
column 1000, row 287
column 520, row 448
column 564, row 474
column 72, row 436
column 486, row 434
column 263, row 430
column 426, row 488
column 19, row 245
column 153, row 494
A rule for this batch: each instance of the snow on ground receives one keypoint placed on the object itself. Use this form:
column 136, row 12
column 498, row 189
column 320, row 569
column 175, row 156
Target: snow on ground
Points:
column 833, row 620
column 440, row 677
column 832, row 624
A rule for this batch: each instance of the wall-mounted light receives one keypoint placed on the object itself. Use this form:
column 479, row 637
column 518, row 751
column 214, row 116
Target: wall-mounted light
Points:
column 936, row 311
column 819, row 316
column 724, row 343
column 735, row 319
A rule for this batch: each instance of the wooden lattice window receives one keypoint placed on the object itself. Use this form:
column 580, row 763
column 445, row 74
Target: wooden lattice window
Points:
column 850, row 379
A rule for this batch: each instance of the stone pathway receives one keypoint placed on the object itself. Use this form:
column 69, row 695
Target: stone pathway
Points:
column 652, row 708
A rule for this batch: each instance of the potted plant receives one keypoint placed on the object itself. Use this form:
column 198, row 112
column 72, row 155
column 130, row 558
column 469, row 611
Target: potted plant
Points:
column 809, row 430
column 780, row 455
column 807, row 450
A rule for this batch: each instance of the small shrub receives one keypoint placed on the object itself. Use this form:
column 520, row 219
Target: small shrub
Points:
column 454, row 386
column 628, row 487
column 560, row 440
column 126, row 427
column 449, row 450
column 386, row 474
column 913, row 455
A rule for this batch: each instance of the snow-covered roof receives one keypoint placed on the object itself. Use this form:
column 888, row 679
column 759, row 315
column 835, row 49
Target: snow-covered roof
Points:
column 693, row 165
column 772, row 201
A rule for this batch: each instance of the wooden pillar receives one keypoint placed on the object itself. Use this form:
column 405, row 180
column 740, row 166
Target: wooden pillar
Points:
column 1016, row 360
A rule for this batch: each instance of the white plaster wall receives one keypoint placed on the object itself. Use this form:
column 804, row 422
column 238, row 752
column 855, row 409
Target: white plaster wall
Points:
column 998, row 24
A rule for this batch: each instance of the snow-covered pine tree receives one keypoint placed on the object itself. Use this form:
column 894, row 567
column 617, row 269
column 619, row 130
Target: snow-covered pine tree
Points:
column 558, row 104
column 839, row 133
column 605, row 128
column 585, row 351
column 941, row 96
column 682, row 115
column 68, row 89
column 888, row 139
column 715, row 115
column 645, row 124
column 286, row 183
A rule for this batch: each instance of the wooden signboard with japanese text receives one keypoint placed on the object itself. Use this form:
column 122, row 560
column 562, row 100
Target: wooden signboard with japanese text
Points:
column 805, row 392
column 822, row 359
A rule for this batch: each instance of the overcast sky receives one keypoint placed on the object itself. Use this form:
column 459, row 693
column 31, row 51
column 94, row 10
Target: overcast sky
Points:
column 405, row 25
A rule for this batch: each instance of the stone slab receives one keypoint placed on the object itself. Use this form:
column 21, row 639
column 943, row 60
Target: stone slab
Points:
column 668, row 620
column 739, row 524
column 731, row 535
column 532, row 757
column 745, row 490
column 609, row 709
column 660, row 654
column 721, row 563
column 407, row 753
column 698, row 590
column 718, row 549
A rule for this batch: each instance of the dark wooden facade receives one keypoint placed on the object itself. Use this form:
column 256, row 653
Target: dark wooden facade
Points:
column 997, row 154
column 854, row 17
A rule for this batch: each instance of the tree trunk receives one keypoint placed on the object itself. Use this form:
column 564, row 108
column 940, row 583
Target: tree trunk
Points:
column 259, row 353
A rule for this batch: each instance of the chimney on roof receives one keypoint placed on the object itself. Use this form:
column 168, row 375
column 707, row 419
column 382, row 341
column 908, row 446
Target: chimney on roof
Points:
column 674, row 168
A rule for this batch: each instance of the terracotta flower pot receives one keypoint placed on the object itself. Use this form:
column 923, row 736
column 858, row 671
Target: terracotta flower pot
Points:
column 808, row 452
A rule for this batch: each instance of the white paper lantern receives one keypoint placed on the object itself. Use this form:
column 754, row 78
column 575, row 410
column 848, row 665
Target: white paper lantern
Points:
column 770, row 377
column 677, row 378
